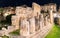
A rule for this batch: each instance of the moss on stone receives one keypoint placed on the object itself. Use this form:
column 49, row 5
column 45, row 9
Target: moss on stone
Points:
column 16, row 32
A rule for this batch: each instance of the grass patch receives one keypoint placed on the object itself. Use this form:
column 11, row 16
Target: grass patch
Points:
column 54, row 33
column 16, row 32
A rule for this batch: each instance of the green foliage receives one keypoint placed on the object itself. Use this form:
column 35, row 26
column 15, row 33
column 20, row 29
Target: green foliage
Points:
column 1, row 10
column 16, row 32
column 55, row 32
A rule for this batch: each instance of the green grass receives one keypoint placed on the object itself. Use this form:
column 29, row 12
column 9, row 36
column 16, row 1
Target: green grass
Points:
column 16, row 32
column 54, row 33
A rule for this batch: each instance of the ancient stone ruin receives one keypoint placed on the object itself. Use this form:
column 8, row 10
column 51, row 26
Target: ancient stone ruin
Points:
column 31, row 22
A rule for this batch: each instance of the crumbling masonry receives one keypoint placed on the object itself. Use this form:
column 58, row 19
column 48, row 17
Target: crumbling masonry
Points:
column 31, row 22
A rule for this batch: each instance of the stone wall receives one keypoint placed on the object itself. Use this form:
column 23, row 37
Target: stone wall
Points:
column 31, row 22
column 34, row 25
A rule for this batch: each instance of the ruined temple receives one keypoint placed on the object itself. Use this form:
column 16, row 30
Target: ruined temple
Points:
column 31, row 22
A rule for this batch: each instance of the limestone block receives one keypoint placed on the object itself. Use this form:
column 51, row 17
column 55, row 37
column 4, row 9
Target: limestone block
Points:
column 36, row 8
column 15, row 21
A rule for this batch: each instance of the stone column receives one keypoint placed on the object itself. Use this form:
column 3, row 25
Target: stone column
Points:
column 41, row 21
column 32, row 25
column 24, row 28
column 37, row 23
column 51, row 16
